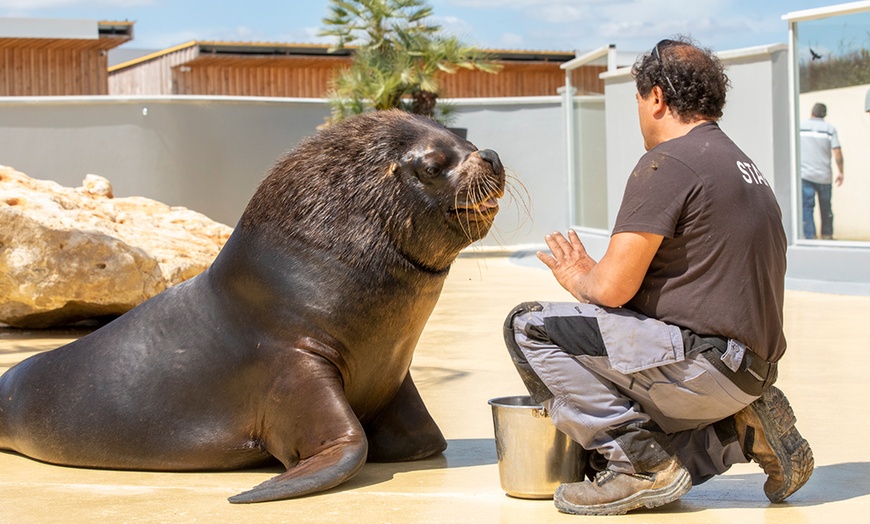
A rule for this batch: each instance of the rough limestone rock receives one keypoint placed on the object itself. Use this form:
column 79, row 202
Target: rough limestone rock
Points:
column 68, row 255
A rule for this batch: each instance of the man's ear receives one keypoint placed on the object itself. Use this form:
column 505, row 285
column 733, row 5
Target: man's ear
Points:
column 659, row 105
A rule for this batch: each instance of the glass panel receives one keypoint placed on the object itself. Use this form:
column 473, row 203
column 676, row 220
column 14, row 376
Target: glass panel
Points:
column 590, row 164
column 833, row 63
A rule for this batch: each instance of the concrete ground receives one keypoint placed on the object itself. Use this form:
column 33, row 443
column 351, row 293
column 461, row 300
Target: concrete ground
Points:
column 460, row 363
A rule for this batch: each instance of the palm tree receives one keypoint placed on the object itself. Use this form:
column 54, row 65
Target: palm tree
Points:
column 397, row 59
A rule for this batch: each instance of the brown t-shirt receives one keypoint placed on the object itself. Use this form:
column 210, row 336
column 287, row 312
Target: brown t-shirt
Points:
column 720, row 269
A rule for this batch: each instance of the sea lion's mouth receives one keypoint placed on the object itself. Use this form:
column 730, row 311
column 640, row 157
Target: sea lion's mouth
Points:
column 485, row 209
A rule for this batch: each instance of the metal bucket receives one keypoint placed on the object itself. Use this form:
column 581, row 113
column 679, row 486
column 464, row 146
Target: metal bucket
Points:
column 533, row 456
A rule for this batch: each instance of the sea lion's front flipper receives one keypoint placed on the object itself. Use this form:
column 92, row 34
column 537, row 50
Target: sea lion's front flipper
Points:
column 404, row 430
column 317, row 436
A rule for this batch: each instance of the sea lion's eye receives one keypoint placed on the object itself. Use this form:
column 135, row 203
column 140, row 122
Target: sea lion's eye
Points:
column 433, row 171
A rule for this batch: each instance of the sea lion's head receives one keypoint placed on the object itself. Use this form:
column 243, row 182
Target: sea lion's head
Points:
column 382, row 183
column 457, row 185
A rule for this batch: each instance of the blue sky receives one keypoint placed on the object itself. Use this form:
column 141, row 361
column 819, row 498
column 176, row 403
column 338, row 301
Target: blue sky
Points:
column 563, row 25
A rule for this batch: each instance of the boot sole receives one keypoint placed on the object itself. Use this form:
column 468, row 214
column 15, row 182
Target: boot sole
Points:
column 792, row 450
column 647, row 498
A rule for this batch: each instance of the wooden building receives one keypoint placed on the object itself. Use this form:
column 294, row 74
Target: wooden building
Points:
column 305, row 71
column 230, row 69
column 42, row 57
column 523, row 73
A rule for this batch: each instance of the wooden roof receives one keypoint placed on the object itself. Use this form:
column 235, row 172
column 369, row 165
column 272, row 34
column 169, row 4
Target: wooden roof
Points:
column 253, row 54
column 110, row 35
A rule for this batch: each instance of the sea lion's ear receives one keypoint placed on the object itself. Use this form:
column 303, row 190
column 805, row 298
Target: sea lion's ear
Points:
column 393, row 168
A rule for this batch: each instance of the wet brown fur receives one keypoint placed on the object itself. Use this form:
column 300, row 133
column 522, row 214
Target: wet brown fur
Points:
column 351, row 190
column 297, row 342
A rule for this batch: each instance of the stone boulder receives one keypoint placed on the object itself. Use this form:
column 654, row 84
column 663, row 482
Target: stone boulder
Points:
column 68, row 255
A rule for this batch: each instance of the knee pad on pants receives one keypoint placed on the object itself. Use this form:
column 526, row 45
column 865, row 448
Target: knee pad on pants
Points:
column 537, row 390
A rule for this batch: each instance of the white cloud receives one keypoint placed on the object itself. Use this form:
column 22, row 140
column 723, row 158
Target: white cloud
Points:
column 162, row 40
column 560, row 13
column 306, row 35
column 243, row 32
column 519, row 4
column 455, row 26
column 511, row 41
column 581, row 24
column 35, row 5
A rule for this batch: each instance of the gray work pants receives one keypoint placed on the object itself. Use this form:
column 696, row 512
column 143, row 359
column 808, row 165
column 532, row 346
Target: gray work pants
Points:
column 633, row 388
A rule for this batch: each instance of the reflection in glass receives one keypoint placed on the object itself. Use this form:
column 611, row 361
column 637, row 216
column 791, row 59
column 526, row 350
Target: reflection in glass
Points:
column 833, row 63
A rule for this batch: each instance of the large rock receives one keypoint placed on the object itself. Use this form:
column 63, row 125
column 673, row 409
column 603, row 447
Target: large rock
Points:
column 72, row 254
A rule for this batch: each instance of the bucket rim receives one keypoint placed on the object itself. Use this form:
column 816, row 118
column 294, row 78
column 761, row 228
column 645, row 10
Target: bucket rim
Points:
column 515, row 401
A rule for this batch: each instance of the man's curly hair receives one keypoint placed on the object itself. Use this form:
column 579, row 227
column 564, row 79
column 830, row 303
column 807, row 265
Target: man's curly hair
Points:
column 692, row 78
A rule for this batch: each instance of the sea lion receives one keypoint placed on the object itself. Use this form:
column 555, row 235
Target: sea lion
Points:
column 296, row 342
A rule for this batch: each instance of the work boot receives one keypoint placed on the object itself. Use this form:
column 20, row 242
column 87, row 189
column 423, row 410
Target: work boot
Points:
column 612, row 493
column 768, row 436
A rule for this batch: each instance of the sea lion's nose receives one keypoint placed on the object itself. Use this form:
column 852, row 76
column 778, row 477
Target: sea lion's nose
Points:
column 492, row 157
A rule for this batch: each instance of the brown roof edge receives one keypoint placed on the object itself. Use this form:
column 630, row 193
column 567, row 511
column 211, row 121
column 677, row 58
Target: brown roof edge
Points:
column 261, row 48
column 310, row 49
column 530, row 56
column 271, row 48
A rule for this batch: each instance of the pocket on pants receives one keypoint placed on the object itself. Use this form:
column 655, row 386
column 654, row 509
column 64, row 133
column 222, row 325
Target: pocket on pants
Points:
column 635, row 342
column 700, row 395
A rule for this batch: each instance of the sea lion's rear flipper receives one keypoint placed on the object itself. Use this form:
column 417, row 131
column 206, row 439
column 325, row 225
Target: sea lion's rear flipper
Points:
column 404, row 430
column 317, row 437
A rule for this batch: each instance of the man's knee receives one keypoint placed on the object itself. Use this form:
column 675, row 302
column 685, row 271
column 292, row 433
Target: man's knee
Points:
column 520, row 310
column 527, row 329
column 537, row 390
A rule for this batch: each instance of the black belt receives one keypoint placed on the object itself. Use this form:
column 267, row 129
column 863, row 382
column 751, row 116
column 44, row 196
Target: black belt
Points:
column 754, row 374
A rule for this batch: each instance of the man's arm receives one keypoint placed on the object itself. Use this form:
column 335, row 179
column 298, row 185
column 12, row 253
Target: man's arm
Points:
column 611, row 282
column 838, row 158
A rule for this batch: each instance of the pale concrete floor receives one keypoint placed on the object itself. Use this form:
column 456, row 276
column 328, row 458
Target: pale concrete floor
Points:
column 460, row 364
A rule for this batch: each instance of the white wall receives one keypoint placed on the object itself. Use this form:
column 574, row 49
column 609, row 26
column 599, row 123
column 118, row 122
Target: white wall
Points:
column 527, row 133
column 591, row 162
column 757, row 115
column 49, row 28
column 210, row 153
column 205, row 154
